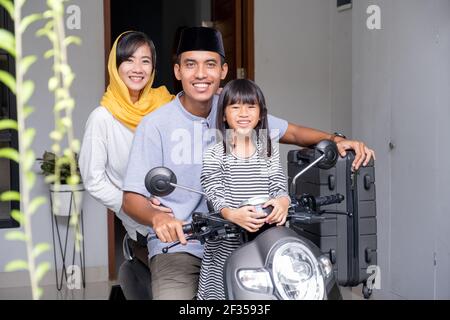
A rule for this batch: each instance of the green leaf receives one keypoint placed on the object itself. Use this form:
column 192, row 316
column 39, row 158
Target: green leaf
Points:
column 41, row 270
column 8, row 80
column 8, row 5
column 49, row 53
column 67, row 122
column 48, row 14
column 30, row 179
column 65, row 104
column 50, row 179
column 35, row 204
column 8, row 124
column 29, row 160
column 68, row 79
column 28, row 20
column 64, row 69
column 16, row 265
column 75, row 145
column 28, row 137
column 27, row 91
column 53, row 83
column 9, row 153
column 18, row 216
column 56, row 148
column 10, row 196
column 28, row 111
column 7, row 42
column 15, row 236
column 57, row 6
column 40, row 248
column 56, row 135
column 72, row 40
column 73, row 180
column 27, row 62
column 42, row 32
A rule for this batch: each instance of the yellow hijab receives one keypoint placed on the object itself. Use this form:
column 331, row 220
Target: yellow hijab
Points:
column 117, row 97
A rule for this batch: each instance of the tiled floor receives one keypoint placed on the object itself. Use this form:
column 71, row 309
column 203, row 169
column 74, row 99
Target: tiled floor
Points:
column 101, row 291
column 93, row 291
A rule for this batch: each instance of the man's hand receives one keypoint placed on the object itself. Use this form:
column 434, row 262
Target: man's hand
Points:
column 279, row 212
column 167, row 228
column 363, row 153
column 247, row 217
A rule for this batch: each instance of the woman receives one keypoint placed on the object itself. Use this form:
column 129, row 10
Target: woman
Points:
column 110, row 127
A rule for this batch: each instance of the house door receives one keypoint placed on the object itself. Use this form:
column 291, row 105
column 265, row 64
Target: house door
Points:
column 159, row 20
column 235, row 20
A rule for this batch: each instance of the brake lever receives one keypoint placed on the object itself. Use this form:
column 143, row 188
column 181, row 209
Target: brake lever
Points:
column 176, row 243
column 343, row 213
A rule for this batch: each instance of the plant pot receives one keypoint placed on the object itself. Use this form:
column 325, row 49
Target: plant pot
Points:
column 67, row 198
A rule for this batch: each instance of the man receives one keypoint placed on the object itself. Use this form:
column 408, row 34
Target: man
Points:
column 175, row 136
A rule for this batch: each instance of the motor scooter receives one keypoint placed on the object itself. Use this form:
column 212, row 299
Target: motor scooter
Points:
column 277, row 263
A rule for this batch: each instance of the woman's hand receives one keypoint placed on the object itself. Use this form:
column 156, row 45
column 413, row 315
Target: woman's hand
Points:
column 279, row 212
column 247, row 217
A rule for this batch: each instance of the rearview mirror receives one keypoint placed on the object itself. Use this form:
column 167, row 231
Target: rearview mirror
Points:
column 159, row 180
column 329, row 149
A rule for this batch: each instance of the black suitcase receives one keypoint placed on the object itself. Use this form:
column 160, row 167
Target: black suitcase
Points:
column 349, row 239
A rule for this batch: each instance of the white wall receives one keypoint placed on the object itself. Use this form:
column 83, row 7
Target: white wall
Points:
column 303, row 62
column 341, row 70
column 401, row 80
column 88, row 63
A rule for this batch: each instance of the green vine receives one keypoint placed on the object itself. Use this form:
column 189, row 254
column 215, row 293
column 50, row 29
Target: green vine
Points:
column 59, row 84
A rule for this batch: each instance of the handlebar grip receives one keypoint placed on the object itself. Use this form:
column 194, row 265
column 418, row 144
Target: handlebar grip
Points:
column 187, row 228
column 326, row 200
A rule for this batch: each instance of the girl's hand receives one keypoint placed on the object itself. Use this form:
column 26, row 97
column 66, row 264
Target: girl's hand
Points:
column 279, row 212
column 247, row 217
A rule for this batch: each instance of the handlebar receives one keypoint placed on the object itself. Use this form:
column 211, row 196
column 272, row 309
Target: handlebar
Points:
column 326, row 200
column 212, row 226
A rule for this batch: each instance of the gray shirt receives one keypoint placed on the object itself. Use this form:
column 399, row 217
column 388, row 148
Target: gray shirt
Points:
column 174, row 138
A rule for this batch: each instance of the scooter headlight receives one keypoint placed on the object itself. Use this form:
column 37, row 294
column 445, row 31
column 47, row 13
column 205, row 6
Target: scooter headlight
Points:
column 296, row 273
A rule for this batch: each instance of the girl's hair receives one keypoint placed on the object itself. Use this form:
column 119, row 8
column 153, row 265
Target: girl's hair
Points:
column 129, row 43
column 244, row 91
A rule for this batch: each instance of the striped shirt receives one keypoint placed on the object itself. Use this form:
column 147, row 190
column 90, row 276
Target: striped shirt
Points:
column 228, row 180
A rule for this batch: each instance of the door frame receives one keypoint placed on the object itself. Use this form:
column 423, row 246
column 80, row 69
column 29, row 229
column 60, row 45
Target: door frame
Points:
column 248, row 63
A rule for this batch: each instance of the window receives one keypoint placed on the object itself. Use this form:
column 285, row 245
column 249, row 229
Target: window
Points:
column 9, row 170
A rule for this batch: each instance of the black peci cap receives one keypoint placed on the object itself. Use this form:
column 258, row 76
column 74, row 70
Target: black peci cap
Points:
column 201, row 39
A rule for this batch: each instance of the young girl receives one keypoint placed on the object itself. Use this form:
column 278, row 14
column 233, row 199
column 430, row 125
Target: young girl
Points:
column 244, row 165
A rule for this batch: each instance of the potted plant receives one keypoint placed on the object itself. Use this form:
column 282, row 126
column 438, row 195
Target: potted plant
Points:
column 64, row 196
